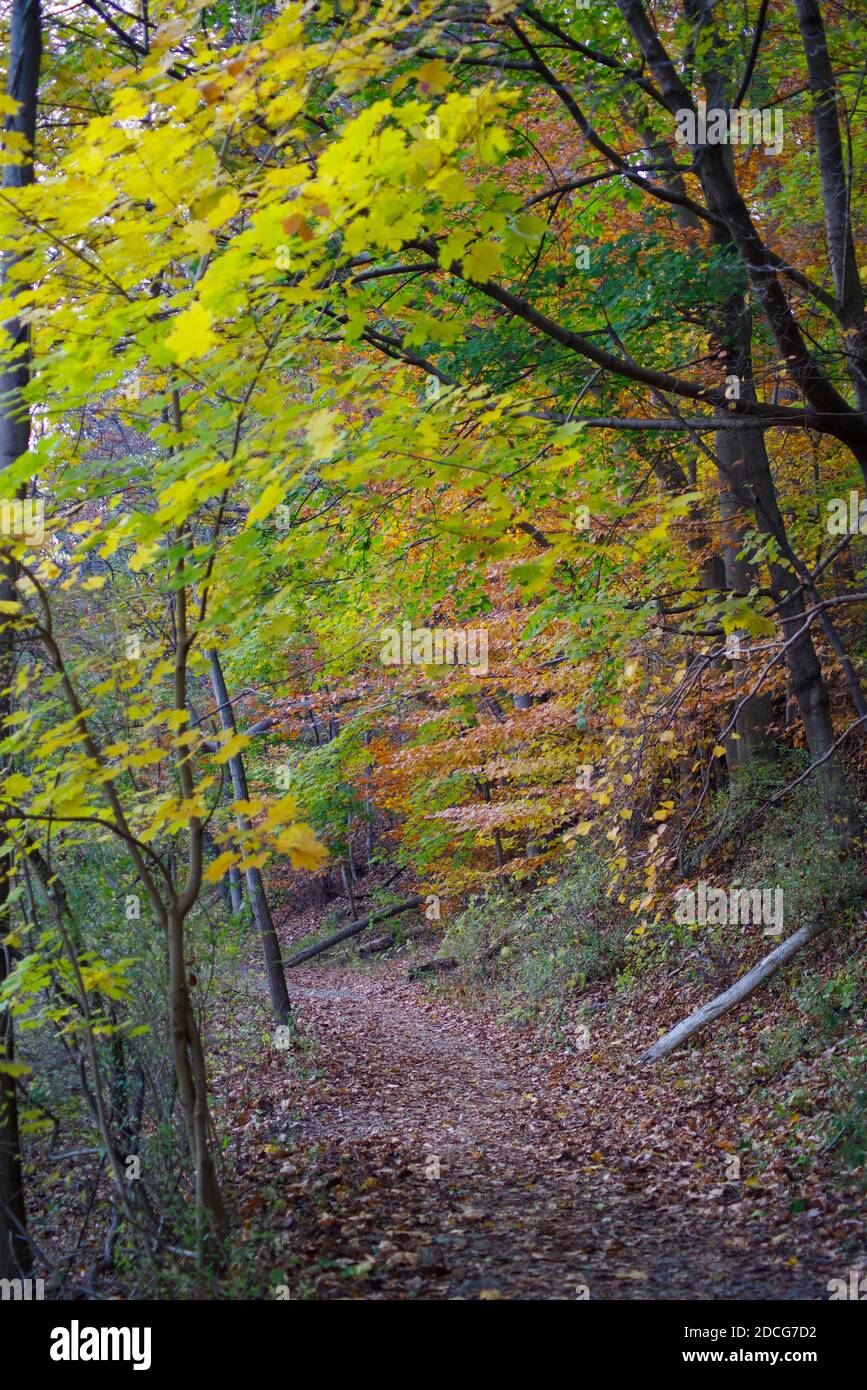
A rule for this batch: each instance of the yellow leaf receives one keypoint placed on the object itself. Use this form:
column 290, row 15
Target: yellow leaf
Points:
column 271, row 496
column 198, row 236
column 15, row 785
column 191, row 336
column 14, row 1069
column 282, row 811
column 254, row 861
column 321, row 435
column 482, row 261
column 214, row 872
column 231, row 747
column 434, row 76
column 302, row 846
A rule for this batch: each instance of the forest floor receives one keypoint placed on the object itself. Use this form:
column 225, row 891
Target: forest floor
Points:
column 413, row 1144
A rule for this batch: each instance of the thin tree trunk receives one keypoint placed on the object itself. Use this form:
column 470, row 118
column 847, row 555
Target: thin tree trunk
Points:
column 15, row 1258
column 274, row 972
column 756, row 716
column 348, row 889
column 188, row 1052
column 836, row 194
column 350, row 857
column 368, row 805
column 192, row 1085
column 230, row 883
column 236, row 889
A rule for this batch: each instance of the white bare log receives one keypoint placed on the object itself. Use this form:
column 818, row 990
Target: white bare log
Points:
column 723, row 1002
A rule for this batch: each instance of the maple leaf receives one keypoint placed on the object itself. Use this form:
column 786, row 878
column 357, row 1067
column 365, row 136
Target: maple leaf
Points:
column 231, row 747
column 482, row 261
column 220, row 866
column 191, row 335
column 296, row 225
column 321, row 433
column 434, row 76
column 302, row 846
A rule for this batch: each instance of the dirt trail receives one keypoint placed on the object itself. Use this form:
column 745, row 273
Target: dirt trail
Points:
column 429, row 1156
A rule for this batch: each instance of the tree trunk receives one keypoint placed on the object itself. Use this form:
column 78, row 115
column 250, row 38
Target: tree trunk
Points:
column 368, row 805
column 756, row 716
column 747, row 485
column 25, row 54
column 230, row 883
column 277, row 989
column 347, row 880
column 236, row 889
column 15, row 1259
column 836, row 194
column 189, row 1064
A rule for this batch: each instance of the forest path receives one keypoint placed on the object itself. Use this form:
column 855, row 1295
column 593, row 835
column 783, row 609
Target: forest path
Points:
column 433, row 1155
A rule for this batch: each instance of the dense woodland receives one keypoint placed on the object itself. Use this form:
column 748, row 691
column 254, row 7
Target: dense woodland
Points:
column 433, row 568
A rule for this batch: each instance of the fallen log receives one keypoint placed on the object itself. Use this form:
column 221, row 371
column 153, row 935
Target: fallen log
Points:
column 437, row 966
column 440, row 964
column 701, row 1017
column 382, row 943
column 352, row 929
